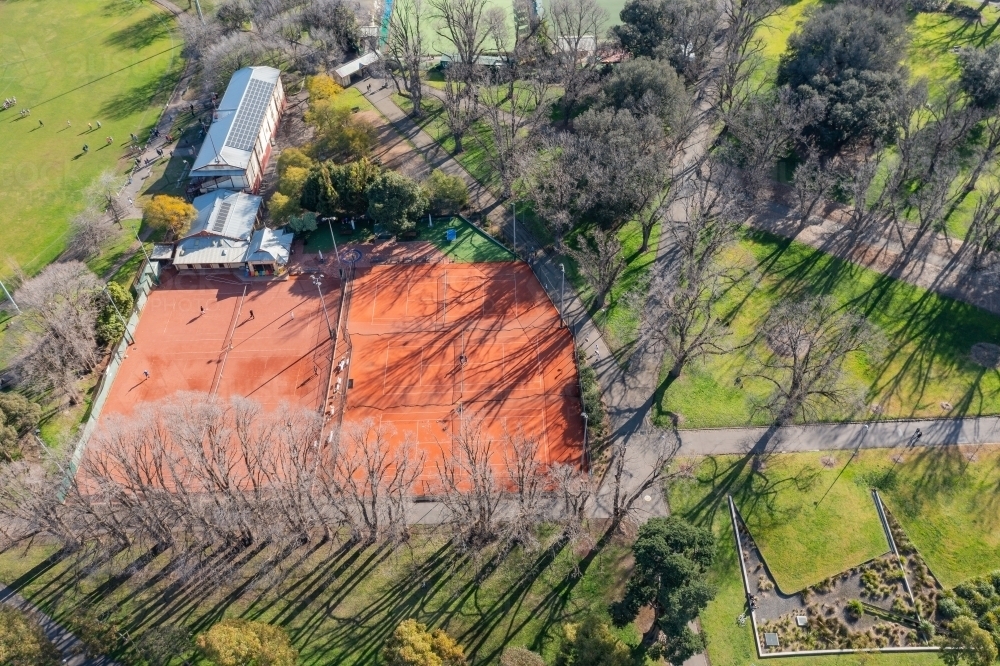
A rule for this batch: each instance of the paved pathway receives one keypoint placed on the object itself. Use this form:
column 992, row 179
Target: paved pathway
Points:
column 69, row 645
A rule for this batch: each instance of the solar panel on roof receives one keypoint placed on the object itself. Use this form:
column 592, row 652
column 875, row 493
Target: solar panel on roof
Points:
column 222, row 217
column 246, row 124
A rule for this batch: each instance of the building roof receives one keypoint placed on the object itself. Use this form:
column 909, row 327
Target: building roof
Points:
column 237, row 122
column 581, row 44
column 210, row 250
column 354, row 66
column 225, row 213
column 485, row 60
column 270, row 246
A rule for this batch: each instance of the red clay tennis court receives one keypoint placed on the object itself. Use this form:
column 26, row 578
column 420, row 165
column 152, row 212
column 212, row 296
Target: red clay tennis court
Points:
column 432, row 342
column 264, row 340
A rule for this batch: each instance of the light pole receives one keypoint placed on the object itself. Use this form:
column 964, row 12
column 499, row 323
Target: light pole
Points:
column 562, row 294
column 586, row 420
column 513, row 211
column 146, row 254
column 316, row 281
column 9, row 297
column 128, row 336
column 329, row 222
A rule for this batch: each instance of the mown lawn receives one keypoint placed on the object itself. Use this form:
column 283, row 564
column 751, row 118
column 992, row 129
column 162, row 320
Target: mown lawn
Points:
column 83, row 61
column 946, row 523
column 340, row 604
column 923, row 367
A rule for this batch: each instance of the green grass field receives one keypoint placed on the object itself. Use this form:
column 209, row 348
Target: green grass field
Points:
column 939, row 500
column 925, row 360
column 340, row 604
column 114, row 61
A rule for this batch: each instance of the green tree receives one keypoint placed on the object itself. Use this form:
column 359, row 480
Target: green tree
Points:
column 645, row 85
column 302, row 224
column 592, row 643
column 318, row 193
column 339, row 133
column 965, row 641
column 980, row 76
column 446, row 194
column 846, row 59
column 519, row 656
column 395, row 201
column 18, row 415
column 351, row 182
column 109, row 326
column 679, row 31
column 671, row 558
column 411, row 644
column 294, row 157
column 22, row 641
column 237, row 642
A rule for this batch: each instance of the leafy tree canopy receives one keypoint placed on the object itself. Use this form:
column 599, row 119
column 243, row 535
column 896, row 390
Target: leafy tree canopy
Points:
column 967, row 642
column 22, row 641
column 646, row 85
column 237, row 642
column 109, row 325
column 411, row 644
column 677, row 30
column 446, row 194
column 671, row 557
column 592, row 643
column 170, row 213
column 980, row 76
column 18, row 415
column 849, row 57
column 395, row 202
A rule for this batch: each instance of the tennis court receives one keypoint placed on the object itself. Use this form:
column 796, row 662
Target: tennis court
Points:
column 219, row 335
column 433, row 342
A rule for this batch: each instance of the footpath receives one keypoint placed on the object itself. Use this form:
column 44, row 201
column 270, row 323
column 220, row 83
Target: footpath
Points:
column 69, row 646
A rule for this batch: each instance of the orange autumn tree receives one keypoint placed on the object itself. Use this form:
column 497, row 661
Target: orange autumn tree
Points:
column 169, row 213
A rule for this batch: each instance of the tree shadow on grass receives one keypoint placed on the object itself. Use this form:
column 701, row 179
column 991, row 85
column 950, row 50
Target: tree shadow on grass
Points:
column 154, row 92
column 140, row 34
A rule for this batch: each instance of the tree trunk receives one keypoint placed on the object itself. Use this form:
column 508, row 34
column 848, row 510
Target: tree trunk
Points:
column 458, row 142
column 647, row 231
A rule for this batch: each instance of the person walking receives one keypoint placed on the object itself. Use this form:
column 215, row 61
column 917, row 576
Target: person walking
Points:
column 69, row 124
column 251, row 315
column 41, row 124
column 202, row 310
column 86, row 148
column 90, row 127
column 146, row 373
column 98, row 124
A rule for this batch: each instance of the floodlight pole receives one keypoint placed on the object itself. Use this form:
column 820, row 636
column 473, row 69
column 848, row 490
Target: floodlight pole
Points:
column 200, row 15
column 9, row 297
column 149, row 261
column 329, row 222
column 513, row 211
column 319, row 288
column 128, row 336
column 562, row 294
column 586, row 421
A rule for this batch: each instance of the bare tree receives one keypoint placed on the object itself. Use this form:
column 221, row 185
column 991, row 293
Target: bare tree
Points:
column 600, row 260
column 576, row 25
column 742, row 50
column 983, row 236
column 812, row 181
column 528, row 481
column 469, row 487
column 985, row 157
column 461, row 101
column 90, row 231
column 463, row 23
column 405, row 47
column 374, row 479
column 553, row 176
column 56, row 331
column 808, row 342
column 626, row 490
column 680, row 314
column 103, row 194
column 508, row 129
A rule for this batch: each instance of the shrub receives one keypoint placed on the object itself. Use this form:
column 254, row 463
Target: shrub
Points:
column 236, row 642
column 339, row 133
column 411, row 644
column 519, row 656
column 22, row 641
column 447, row 194
column 854, row 609
column 168, row 213
column 294, row 157
column 593, row 404
column 980, row 75
column 18, row 415
column 303, row 224
column 110, row 328
column 283, row 208
column 160, row 645
column 592, row 643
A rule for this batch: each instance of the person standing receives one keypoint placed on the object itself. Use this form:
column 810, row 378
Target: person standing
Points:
column 40, row 123
column 86, row 148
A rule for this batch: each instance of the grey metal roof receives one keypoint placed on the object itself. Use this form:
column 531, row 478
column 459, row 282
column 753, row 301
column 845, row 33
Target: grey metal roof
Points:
column 226, row 213
column 355, row 65
column 268, row 245
column 234, row 131
column 209, row 250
